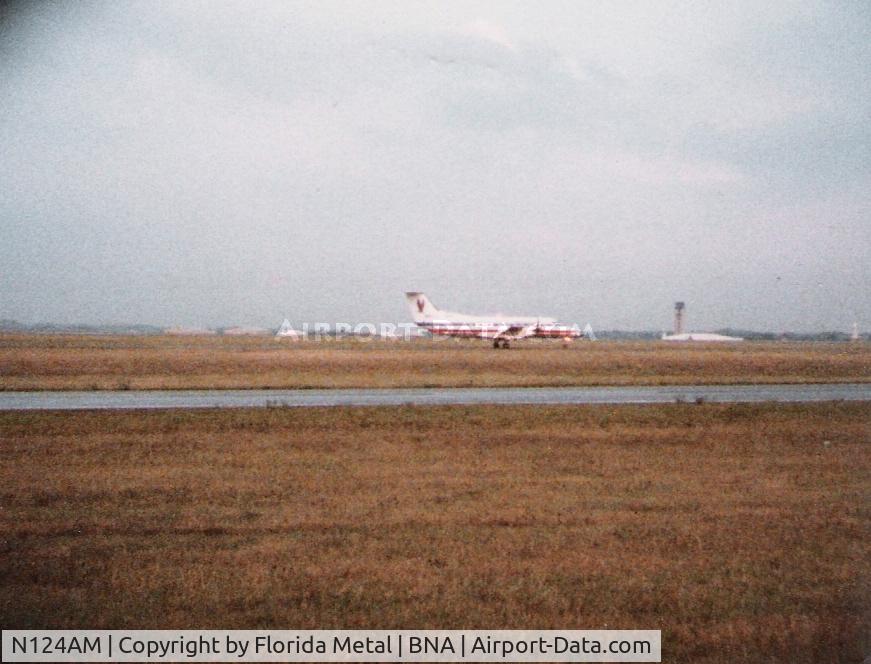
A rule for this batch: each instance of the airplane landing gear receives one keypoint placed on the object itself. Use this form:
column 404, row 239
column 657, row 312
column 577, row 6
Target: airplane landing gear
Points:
column 497, row 342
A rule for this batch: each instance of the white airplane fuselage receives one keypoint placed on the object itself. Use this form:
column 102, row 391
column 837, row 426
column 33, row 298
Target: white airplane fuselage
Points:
column 501, row 329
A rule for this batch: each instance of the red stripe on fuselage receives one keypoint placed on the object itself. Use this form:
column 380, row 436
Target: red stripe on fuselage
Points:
column 488, row 331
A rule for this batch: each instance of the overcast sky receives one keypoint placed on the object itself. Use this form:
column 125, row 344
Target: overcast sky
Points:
column 206, row 163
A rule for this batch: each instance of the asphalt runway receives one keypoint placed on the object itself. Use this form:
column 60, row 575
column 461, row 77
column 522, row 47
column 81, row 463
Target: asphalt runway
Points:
column 134, row 399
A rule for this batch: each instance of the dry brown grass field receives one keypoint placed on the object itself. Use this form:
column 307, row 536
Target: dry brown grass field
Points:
column 29, row 362
column 741, row 531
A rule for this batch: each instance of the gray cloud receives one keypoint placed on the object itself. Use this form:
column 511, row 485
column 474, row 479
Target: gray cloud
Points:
column 210, row 164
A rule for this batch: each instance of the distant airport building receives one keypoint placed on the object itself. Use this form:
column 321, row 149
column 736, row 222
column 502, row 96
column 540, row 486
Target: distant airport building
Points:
column 188, row 331
column 680, row 335
column 699, row 336
column 245, row 331
column 286, row 331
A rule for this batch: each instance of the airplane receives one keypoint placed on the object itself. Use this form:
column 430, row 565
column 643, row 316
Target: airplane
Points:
column 501, row 329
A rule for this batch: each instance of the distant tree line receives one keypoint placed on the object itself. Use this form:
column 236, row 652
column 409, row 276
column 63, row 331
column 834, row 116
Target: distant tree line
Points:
column 7, row 325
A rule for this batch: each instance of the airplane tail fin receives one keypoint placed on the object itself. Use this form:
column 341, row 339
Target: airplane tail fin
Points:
column 420, row 306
